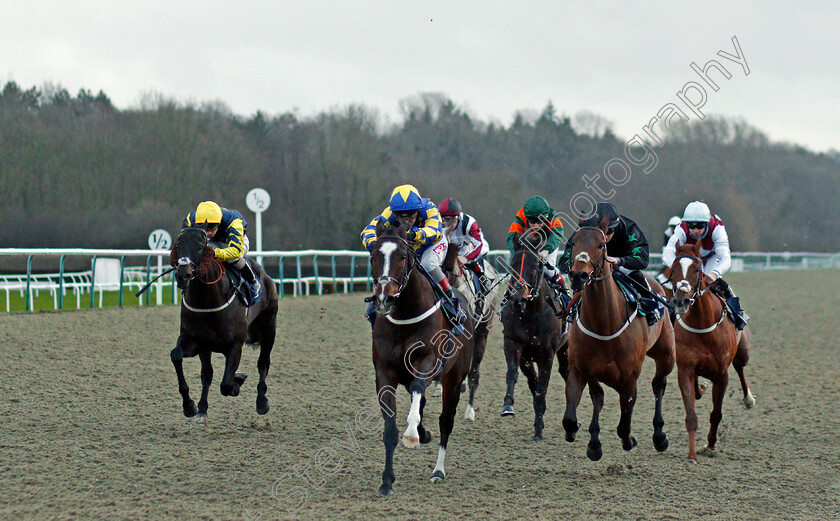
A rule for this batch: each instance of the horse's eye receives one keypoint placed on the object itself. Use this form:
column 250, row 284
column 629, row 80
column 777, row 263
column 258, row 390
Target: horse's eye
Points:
column 403, row 256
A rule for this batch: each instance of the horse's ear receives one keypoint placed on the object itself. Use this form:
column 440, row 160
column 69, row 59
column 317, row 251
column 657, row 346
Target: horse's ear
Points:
column 604, row 223
column 517, row 241
column 380, row 227
column 582, row 218
column 696, row 248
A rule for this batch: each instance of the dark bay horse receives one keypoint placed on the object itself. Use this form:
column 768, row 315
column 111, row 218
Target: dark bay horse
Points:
column 412, row 345
column 215, row 320
column 533, row 334
column 608, row 343
column 482, row 309
column 707, row 343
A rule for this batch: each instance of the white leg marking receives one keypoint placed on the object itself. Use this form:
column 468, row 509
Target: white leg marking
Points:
column 469, row 414
column 749, row 399
column 439, row 466
column 411, row 437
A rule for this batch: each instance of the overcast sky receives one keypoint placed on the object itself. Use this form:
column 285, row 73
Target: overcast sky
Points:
column 492, row 58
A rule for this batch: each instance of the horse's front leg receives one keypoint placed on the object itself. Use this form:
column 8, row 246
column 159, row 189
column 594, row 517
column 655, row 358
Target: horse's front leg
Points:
column 415, row 434
column 545, row 366
column 512, row 354
column 177, row 357
column 386, row 390
column 206, row 380
column 596, row 392
column 688, row 381
column 718, row 390
column 627, row 400
column 574, row 389
column 478, row 355
column 232, row 380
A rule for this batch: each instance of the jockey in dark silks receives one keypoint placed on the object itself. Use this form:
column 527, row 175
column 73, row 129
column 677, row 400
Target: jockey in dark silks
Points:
column 700, row 225
column 226, row 230
column 627, row 251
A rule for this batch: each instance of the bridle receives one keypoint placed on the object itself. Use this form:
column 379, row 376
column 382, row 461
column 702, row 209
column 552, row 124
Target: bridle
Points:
column 184, row 261
column 684, row 286
column 584, row 257
column 532, row 291
column 384, row 279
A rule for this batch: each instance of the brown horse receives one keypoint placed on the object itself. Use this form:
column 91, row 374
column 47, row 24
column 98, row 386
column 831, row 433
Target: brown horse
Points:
column 608, row 343
column 412, row 344
column 707, row 343
column 481, row 307
column 214, row 320
column 533, row 334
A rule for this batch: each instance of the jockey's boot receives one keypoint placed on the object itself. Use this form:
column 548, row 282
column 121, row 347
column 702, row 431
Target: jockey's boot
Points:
column 649, row 302
column 740, row 317
column 483, row 285
column 370, row 313
column 456, row 314
column 254, row 286
column 557, row 283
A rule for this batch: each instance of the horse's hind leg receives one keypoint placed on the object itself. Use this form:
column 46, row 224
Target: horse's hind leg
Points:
column 177, row 357
column 540, row 392
column 596, row 392
column 626, row 400
column 206, row 380
column 451, row 396
column 231, row 380
column 688, row 381
column 742, row 357
column 718, row 390
column 414, row 433
column 664, row 355
column 267, row 332
column 478, row 356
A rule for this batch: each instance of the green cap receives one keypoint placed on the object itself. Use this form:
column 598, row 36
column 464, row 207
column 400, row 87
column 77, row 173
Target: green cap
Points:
column 535, row 207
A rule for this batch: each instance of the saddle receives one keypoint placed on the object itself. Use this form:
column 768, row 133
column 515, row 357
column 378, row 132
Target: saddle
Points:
column 240, row 286
column 652, row 309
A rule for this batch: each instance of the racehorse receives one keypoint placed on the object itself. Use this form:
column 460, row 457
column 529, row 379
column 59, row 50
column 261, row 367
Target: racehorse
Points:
column 412, row 344
column 481, row 307
column 608, row 345
column 707, row 343
column 214, row 320
column 533, row 333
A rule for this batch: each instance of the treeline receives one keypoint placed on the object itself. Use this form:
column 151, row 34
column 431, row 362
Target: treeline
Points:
column 77, row 172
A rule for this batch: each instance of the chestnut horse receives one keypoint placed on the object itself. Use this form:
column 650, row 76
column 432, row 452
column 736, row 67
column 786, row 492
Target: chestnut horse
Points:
column 214, row 320
column 533, row 334
column 707, row 343
column 482, row 308
column 412, row 344
column 608, row 343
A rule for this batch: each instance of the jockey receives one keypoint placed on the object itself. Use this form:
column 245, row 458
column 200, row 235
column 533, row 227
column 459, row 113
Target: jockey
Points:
column 535, row 213
column 627, row 251
column 673, row 222
column 226, row 230
column 420, row 216
column 462, row 229
column 699, row 224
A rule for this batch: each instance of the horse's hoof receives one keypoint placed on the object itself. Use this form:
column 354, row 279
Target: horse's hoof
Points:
column 594, row 453
column 427, row 436
column 201, row 418
column 469, row 414
column 190, row 409
column 410, row 442
column 708, row 451
column 239, row 377
column 437, row 476
column 691, row 461
column 438, row 392
column 385, row 491
column 507, row 410
column 262, row 405
column 661, row 444
column 629, row 443
column 570, row 436
column 537, row 438
column 749, row 400
column 463, row 387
